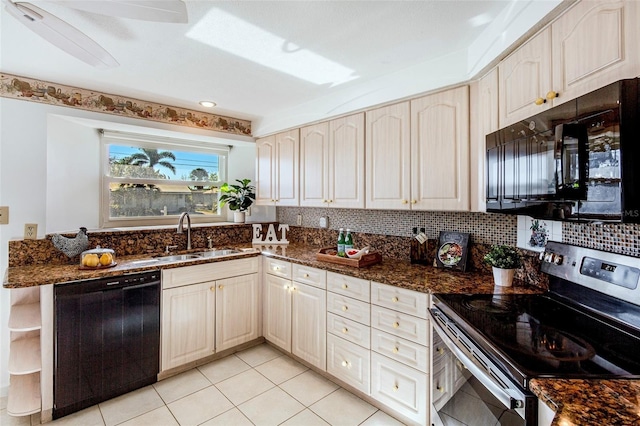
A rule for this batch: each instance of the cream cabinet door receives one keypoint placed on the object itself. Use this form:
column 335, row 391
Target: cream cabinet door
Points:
column 188, row 321
column 277, row 169
column 286, row 172
column 314, row 165
column 237, row 311
column 595, row 43
column 525, row 76
column 388, row 157
column 266, row 160
column 484, row 119
column 309, row 324
column 277, row 311
column 346, row 165
column 440, row 151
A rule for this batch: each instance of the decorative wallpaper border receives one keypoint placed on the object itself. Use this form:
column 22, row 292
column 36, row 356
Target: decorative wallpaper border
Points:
column 28, row 89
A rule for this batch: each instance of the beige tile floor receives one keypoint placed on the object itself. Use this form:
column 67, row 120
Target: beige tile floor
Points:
column 258, row 386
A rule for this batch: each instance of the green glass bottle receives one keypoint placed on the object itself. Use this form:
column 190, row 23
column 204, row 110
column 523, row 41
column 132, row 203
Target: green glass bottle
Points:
column 341, row 243
column 348, row 241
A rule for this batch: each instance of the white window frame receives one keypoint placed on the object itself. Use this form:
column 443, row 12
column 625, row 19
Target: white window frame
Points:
column 167, row 144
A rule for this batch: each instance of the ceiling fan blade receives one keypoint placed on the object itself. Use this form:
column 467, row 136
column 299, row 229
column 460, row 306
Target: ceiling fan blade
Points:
column 174, row 11
column 61, row 34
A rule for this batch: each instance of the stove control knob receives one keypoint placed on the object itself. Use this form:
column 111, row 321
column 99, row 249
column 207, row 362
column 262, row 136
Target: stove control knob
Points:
column 557, row 259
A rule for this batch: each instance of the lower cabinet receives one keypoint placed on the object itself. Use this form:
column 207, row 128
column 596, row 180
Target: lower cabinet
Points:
column 399, row 387
column 188, row 318
column 295, row 310
column 208, row 308
column 237, row 311
column 349, row 363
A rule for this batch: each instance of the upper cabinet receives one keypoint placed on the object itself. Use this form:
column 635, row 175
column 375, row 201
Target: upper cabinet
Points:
column 277, row 169
column 595, row 43
column 589, row 46
column 388, row 157
column 332, row 163
column 525, row 80
column 440, row 151
column 484, row 119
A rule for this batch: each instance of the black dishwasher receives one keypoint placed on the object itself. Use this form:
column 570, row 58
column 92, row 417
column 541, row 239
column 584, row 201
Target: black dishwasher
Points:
column 107, row 339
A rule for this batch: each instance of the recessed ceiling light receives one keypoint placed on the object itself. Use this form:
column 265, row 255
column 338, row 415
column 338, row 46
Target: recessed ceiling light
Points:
column 208, row 104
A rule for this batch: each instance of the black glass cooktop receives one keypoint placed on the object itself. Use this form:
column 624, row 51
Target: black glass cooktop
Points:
column 539, row 336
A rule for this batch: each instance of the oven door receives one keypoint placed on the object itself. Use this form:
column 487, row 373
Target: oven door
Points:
column 468, row 388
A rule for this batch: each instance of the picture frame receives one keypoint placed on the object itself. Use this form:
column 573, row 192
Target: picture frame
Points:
column 452, row 251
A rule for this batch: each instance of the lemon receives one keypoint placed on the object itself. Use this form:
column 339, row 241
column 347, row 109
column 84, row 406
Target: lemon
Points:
column 106, row 259
column 91, row 260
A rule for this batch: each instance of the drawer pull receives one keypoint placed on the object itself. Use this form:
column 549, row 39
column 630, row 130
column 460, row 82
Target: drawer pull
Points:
column 395, row 299
column 440, row 350
column 395, row 349
column 396, row 324
column 286, row 286
column 345, row 330
column 345, row 308
column 344, row 286
column 346, row 364
column 276, row 268
column 220, row 286
column 306, row 275
column 395, row 388
column 440, row 389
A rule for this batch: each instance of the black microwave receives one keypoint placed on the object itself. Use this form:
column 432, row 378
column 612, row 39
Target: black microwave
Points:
column 576, row 161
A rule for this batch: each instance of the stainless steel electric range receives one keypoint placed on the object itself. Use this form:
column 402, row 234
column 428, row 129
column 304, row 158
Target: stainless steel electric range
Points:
column 586, row 326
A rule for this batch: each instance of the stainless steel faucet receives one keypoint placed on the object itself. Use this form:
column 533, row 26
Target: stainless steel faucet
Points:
column 180, row 229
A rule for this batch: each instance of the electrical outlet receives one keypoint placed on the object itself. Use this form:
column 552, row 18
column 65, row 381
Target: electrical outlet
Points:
column 248, row 212
column 30, row 231
column 4, row 215
column 299, row 220
column 324, row 222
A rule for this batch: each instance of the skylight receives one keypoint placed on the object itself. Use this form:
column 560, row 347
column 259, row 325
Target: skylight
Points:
column 227, row 32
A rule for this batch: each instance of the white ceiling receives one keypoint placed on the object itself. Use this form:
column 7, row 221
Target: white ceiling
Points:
column 258, row 59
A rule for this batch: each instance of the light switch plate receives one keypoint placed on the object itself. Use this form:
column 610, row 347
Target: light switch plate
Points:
column 30, row 231
column 4, row 215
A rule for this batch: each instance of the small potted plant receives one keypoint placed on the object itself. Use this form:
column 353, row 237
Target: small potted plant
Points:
column 504, row 260
column 238, row 197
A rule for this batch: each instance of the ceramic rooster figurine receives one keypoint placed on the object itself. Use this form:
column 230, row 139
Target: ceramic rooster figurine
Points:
column 71, row 246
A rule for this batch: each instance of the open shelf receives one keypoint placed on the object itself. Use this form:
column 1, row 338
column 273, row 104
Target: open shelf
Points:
column 24, row 395
column 24, row 356
column 25, row 317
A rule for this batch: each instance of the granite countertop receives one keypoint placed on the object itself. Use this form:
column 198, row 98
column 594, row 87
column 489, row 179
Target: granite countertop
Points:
column 590, row 402
column 576, row 402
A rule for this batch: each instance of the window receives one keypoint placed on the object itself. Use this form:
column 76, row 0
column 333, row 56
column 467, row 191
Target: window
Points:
column 151, row 181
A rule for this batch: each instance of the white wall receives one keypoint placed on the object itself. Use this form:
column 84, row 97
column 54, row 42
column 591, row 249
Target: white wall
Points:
column 50, row 174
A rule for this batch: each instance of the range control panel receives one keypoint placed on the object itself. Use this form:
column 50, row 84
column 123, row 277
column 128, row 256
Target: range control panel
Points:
column 611, row 272
column 614, row 274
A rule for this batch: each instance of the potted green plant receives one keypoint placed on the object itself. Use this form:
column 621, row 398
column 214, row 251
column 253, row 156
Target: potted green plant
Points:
column 504, row 260
column 238, row 197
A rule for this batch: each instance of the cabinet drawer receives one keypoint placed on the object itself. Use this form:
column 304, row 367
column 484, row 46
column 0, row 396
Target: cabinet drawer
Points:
column 399, row 349
column 399, row 387
column 400, row 299
column 312, row 276
column 349, row 308
column 348, row 286
column 277, row 267
column 348, row 362
column 186, row 275
column 399, row 324
column 440, row 386
column 349, row 330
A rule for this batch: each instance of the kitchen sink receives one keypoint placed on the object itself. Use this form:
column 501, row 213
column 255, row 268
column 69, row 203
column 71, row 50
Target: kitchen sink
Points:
column 216, row 253
column 179, row 257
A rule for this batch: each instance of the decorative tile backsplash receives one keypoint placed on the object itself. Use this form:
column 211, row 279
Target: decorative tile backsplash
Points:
column 613, row 237
column 485, row 228
column 533, row 234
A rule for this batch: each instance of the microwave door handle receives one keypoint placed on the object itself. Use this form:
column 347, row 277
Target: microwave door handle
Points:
column 503, row 395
